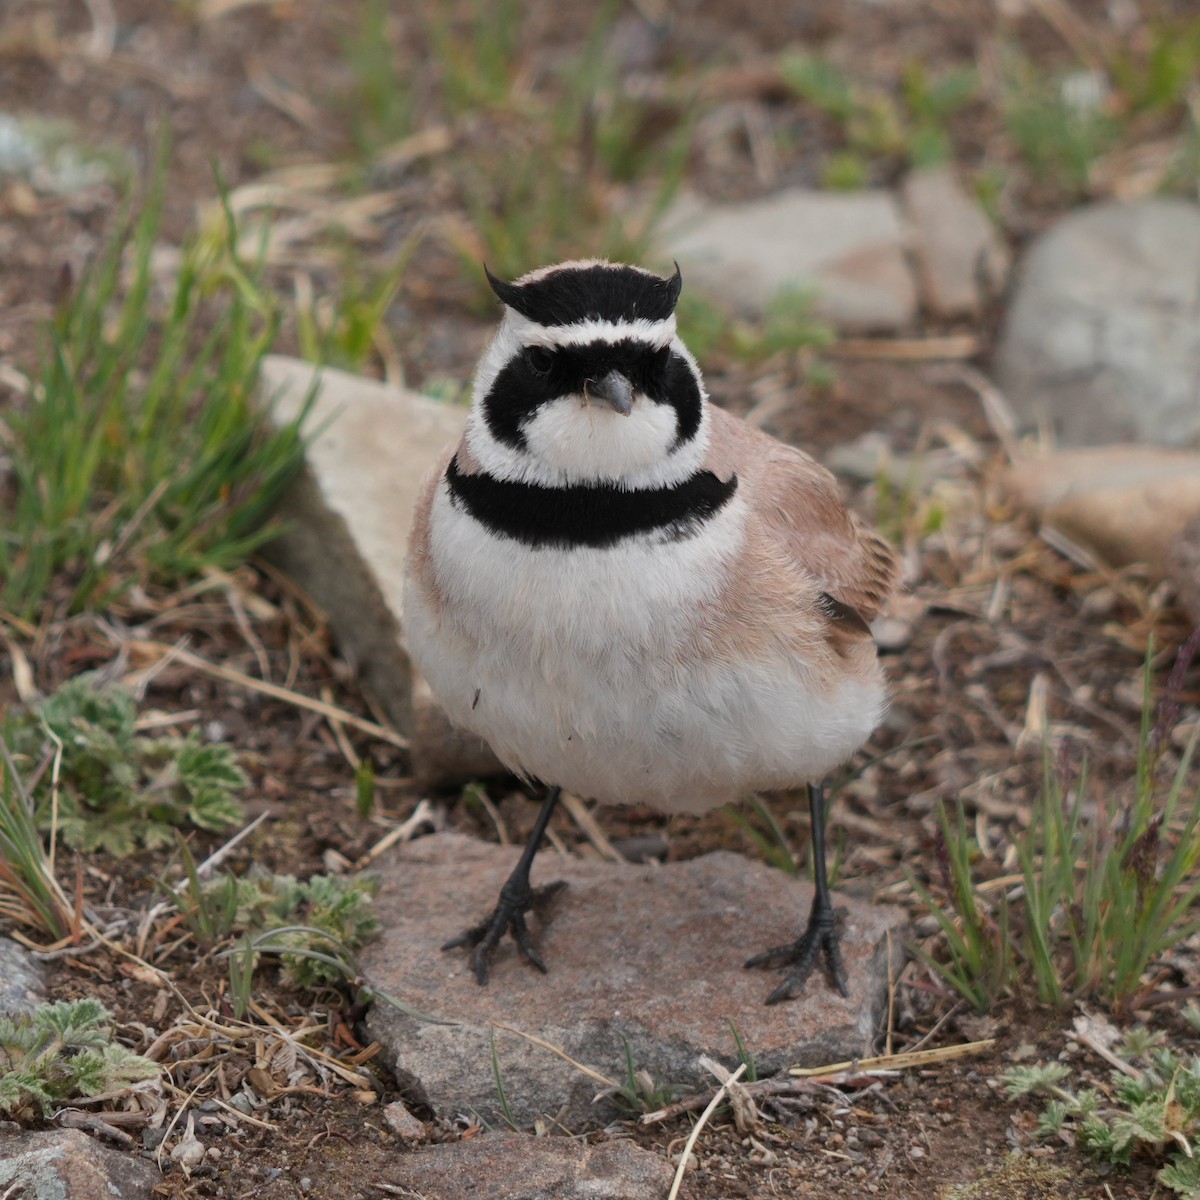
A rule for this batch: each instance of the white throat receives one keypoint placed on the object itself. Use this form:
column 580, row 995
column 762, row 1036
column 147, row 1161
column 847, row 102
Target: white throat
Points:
column 573, row 441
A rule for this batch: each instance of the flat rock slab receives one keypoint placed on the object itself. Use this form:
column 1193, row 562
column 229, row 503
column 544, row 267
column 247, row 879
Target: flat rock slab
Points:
column 1102, row 338
column 64, row 1164
column 847, row 247
column 510, row 1166
column 961, row 261
column 1124, row 503
column 348, row 516
column 652, row 954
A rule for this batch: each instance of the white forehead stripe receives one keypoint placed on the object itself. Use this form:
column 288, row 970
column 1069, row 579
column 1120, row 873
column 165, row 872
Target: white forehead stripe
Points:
column 581, row 333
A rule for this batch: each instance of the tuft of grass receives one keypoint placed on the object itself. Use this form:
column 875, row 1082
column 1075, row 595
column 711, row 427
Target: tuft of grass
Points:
column 343, row 331
column 141, row 455
column 477, row 59
column 61, row 1052
column 559, row 186
column 1151, row 1109
column 381, row 106
column 102, row 786
column 29, row 890
column 1102, row 899
column 978, row 947
column 1059, row 134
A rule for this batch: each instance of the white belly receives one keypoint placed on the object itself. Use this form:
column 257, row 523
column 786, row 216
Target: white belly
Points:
column 573, row 665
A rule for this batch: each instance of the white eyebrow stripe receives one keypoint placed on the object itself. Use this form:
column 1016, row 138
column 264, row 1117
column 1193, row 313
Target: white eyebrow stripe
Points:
column 581, row 333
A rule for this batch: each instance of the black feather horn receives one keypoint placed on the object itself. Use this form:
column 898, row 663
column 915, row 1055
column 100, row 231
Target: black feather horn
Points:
column 674, row 285
column 509, row 293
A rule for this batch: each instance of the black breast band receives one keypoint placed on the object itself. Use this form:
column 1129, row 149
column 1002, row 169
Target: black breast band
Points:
column 595, row 515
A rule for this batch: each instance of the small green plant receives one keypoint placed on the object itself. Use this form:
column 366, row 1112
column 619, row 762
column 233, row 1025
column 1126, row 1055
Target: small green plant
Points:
column 912, row 127
column 61, row 1052
column 1152, row 1109
column 501, row 1095
column 641, row 1092
column 117, row 789
column 744, row 1056
column 788, row 327
column 142, row 455
column 1102, row 899
column 1158, row 73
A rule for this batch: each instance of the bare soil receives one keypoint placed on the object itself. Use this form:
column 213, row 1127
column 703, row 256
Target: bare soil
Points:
column 1003, row 627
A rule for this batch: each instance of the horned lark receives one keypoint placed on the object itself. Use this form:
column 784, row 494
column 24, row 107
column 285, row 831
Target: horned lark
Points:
column 634, row 595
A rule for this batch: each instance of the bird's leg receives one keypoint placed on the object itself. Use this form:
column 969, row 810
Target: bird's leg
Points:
column 516, row 899
column 821, row 935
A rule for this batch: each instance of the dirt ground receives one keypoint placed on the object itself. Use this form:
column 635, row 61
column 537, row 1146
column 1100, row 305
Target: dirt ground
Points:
column 1002, row 627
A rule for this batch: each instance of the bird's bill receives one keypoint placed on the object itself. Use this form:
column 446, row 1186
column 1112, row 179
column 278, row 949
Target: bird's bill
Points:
column 614, row 390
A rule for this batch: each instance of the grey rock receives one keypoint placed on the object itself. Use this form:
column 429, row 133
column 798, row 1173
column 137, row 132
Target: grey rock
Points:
column 349, row 515
column 1183, row 565
column 1126, row 504
column 1102, row 340
column 509, row 1166
column 64, row 1164
column 961, row 261
column 22, row 981
column 649, row 953
column 848, row 247
column 403, row 1124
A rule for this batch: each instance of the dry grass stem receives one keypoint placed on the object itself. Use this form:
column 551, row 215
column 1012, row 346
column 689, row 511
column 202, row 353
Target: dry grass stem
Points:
column 159, row 651
column 897, row 1062
column 590, row 1072
column 704, row 1116
column 582, row 816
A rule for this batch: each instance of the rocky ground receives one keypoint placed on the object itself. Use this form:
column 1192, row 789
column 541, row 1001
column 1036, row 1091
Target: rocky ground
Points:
column 1026, row 616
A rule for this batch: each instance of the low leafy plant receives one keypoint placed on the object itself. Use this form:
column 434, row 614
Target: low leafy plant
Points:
column 1102, row 898
column 101, row 785
column 312, row 927
column 61, row 1052
column 1152, row 1110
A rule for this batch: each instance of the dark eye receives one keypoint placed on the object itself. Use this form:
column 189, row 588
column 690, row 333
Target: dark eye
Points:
column 540, row 360
column 657, row 363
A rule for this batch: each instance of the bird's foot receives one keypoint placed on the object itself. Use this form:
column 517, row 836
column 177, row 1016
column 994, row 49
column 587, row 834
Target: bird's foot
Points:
column 516, row 899
column 820, row 938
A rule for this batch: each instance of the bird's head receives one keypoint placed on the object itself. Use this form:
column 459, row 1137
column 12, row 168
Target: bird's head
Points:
column 586, row 380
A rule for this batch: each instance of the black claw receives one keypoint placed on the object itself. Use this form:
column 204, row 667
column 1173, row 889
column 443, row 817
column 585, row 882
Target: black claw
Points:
column 820, row 939
column 507, row 917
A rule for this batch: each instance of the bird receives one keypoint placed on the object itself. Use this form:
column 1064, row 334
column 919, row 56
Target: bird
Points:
column 630, row 593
